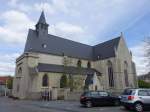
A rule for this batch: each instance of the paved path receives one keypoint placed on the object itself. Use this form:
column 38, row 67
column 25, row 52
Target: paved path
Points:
column 9, row 105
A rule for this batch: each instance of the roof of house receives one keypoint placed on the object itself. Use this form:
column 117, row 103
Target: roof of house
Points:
column 145, row 76
column 60, row 46
column 65, row 69
column 3, row 79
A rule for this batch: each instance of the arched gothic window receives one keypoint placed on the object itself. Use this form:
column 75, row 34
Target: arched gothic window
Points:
column 110, row 74
column 79, row 63
column 20, row 70
column 45, row 80
column 126, row 73
column 88, row 64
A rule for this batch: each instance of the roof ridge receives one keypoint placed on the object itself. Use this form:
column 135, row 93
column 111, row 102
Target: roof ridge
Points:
column 109, row 40
column 70, row 40
column 80, row 42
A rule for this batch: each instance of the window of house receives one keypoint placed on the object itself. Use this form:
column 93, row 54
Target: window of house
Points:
column 126, row 73
column 110, row 74
column 88, row 65
column 45, row 80
column 79, row 63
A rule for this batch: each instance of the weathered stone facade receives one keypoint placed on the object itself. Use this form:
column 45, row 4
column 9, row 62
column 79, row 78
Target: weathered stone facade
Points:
column 28, row 77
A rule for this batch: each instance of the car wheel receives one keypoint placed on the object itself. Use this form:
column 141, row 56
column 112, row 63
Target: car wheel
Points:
column 138, row 107
column 116, row 103
column 127, row 108
column 88, row 104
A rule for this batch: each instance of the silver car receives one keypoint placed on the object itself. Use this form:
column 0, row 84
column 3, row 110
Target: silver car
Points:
column 137, row 99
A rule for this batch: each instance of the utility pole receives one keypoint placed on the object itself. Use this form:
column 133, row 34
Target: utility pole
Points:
column 6, row 88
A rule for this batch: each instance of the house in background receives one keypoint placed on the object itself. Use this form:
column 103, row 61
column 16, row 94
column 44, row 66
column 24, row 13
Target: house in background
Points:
column 145, row 77
column 3, row 84
column 106, row 66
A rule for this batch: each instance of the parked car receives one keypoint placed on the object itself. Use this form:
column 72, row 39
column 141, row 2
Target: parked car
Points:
column 98, row 98
column 137, row 99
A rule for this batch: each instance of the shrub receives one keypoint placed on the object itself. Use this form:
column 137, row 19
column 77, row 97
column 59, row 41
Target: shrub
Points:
column 143, row 84
column 63, row 81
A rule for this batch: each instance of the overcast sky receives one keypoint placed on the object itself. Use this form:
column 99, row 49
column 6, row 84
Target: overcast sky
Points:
column 87, row 21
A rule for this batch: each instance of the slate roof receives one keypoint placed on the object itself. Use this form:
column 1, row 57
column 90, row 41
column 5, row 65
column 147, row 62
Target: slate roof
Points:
column 59, row 46
column 68, row 69
column 106, row 49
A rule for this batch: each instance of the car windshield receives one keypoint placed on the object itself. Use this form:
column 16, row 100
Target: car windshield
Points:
column 129, row 92
column 103, row 93
column 85, row 94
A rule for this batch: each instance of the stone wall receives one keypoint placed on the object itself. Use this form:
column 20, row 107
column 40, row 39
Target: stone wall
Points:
column 75, row 96
column 59, row 60
column 122, row 55
column 22, row 77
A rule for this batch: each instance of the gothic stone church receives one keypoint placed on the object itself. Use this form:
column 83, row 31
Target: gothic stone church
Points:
column 106, row 66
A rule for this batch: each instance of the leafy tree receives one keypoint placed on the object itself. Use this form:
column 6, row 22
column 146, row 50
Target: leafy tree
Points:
column 63, row 81
column 143, row 84
column 10, row 83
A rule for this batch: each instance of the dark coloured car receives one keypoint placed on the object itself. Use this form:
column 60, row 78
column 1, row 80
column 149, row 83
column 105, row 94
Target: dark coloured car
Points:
column 98, row 98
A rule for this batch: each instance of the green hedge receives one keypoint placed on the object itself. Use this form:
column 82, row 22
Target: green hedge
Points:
column 143, row 84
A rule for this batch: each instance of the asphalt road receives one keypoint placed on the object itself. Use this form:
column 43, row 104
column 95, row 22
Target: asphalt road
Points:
column 9, row 105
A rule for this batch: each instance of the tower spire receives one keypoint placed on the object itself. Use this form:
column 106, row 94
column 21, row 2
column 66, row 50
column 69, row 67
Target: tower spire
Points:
column 42, row 26
column 42, row 18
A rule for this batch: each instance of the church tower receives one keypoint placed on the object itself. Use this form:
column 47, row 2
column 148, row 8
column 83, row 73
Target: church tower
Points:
column 42, row 26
